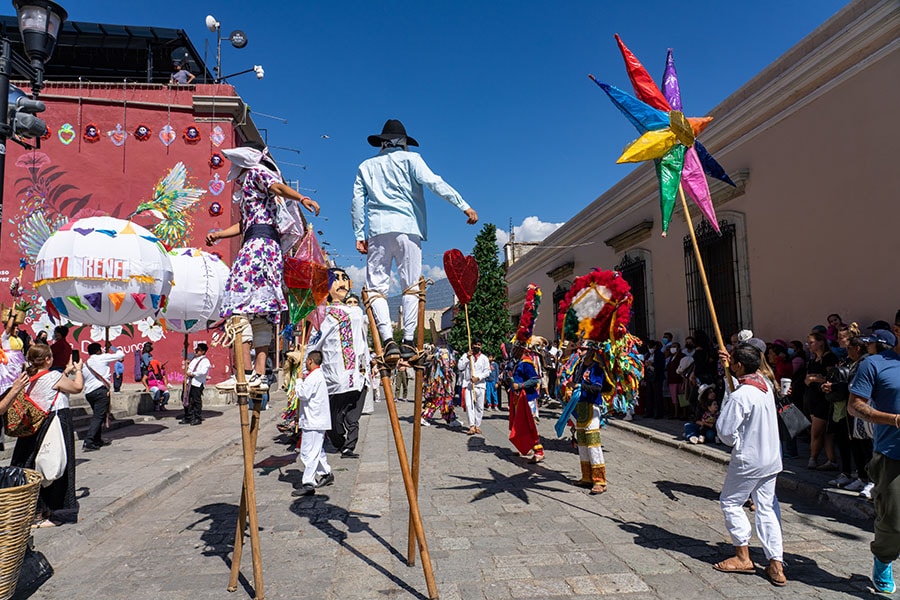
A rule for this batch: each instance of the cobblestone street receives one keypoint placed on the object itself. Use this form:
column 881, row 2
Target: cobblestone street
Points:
column 496, row 526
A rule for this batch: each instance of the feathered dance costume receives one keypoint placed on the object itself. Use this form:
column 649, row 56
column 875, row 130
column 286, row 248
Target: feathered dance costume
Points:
column 595, row 313
column 523, row 431
column 438, row 390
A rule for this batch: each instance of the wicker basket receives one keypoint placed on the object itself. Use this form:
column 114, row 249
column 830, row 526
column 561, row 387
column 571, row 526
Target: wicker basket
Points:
column 17, row 506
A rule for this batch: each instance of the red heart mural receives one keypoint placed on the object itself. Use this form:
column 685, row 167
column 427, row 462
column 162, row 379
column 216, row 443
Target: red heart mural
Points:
column 462, row 271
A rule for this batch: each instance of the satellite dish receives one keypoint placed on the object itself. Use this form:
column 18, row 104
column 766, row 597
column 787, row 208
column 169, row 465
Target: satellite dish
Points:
column 238, row 38
column 211, row 23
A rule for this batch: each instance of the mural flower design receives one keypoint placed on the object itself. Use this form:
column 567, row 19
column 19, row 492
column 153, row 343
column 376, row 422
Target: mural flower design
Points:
column 151, row 329
column 98, row 333
column 43, row 323
column 33, row 160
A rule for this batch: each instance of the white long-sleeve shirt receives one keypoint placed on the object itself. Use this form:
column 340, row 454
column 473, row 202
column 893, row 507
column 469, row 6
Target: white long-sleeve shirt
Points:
column 389, row 187
column 199, row 369
column 343, row 371
column 748, row 422
column 479, row 368
column 315, row 412
column 99, row 363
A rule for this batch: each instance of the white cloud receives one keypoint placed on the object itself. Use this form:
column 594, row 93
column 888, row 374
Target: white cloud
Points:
column 532, row 229
column 358, row 277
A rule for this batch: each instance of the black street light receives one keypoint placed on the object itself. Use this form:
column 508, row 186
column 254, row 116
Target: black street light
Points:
column 39, row 24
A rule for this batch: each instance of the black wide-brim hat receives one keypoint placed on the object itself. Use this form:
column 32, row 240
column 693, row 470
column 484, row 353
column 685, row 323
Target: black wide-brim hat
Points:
column 392, row 130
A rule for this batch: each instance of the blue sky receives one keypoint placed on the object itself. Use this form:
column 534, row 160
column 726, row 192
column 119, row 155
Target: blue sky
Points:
column 496, row 93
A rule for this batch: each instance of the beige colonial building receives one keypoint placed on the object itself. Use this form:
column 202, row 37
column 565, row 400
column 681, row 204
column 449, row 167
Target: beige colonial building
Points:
column 813, row 226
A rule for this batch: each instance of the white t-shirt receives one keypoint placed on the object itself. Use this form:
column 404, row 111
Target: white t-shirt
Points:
column 43, row 393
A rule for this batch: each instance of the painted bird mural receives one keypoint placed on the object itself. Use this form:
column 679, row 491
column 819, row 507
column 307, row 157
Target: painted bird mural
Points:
column 173, row 199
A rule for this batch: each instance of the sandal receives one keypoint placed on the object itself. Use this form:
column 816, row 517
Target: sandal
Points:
column 777, row 578
column 725, row 567
column 597, row 489
column 43, row 524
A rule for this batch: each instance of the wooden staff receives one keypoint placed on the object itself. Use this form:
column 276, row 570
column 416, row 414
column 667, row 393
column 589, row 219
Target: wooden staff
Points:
column 417, row 420
column 705, row 282
column 411, row 495
column 248, row 492
column 185, row 385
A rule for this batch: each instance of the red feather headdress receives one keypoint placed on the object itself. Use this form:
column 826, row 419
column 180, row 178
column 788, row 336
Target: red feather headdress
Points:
column 597, row 307
column 529, row 314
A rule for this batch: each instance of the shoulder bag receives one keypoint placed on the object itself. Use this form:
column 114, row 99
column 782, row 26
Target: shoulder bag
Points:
column 24, row 416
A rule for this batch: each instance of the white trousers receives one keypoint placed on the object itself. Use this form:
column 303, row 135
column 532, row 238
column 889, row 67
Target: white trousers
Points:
column 735, row 492
column 406, row 250
column 312, row 455
column 475, row 406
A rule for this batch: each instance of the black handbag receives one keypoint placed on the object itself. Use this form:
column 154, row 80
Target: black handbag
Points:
column 791, row 419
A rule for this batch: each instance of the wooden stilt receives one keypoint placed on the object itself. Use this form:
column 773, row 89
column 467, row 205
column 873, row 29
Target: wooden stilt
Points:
column 411, row 495
column 242, row 516
column 704, row 281
column 417, row 419
column 248, row 494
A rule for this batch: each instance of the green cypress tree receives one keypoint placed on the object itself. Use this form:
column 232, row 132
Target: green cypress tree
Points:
column 488, row 313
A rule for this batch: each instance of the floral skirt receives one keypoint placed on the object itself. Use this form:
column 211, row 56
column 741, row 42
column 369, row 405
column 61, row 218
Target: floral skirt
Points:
column 254, row 285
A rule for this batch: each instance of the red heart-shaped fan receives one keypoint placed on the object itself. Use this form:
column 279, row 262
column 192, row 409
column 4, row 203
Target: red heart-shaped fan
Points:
column 462, row 271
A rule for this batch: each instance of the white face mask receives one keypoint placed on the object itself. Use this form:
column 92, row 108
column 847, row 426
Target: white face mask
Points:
column 673, row 350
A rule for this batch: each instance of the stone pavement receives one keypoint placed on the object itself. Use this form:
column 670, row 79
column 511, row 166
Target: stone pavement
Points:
column 496, row 526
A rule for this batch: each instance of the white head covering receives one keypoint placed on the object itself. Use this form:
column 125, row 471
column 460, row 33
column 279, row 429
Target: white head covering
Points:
column 744, row 335
column 248, row 158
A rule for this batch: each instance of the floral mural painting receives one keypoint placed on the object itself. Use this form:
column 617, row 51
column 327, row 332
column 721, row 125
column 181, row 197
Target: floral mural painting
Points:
column 47, row 203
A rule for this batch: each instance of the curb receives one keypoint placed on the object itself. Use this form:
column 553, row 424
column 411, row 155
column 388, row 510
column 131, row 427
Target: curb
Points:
column 851, row 506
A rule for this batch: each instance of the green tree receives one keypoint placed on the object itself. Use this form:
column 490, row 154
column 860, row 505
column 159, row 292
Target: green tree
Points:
column 488, row 313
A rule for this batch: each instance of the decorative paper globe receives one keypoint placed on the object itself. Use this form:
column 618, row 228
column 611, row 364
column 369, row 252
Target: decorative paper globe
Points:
column 103, row 271
column 197, row 291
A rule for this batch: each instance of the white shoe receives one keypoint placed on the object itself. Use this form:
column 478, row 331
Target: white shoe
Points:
column 258, row 382
column 694, row 439
column 628, row 416
column 455, row 423
column 840, row 481
column 426, row 423
column 855, row 486
column 866, row 492
column 227, row 385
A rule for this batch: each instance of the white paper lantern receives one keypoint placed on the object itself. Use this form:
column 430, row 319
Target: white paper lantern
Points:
column 197, row 290
column 103, row 271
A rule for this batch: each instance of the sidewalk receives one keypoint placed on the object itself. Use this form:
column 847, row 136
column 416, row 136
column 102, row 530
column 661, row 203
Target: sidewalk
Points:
column 795, row 476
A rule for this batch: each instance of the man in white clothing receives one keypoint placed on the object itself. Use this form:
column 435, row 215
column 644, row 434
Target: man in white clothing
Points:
column 315, row 420
column 748, row 422
column 197, row 371
column 97, row 386
column 477, row 369
column 345, row 350
column 389, row 191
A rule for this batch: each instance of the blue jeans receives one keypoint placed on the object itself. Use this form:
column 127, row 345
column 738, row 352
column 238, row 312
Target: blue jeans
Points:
column 491, row 394
column 692, row 429
column 160, row 397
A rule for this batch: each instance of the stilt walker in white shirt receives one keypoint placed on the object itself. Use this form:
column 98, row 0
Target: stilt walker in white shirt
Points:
column 389, row 192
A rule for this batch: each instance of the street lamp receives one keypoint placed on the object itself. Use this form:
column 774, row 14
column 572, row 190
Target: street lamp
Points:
column 39, row 23
column 237, row 38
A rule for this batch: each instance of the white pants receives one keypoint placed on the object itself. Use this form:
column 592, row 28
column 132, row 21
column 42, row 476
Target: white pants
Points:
column 406, row 250
column 312, row 455
column 735, row 492
column 475, row 406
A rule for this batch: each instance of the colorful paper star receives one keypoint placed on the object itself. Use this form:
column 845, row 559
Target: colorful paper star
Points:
column 667, row 136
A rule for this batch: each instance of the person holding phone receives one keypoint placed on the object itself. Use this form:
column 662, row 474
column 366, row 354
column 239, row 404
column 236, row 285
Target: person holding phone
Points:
column 97, row 386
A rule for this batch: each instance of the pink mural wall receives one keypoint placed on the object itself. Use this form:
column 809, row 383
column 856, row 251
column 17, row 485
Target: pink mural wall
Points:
column 107, row 148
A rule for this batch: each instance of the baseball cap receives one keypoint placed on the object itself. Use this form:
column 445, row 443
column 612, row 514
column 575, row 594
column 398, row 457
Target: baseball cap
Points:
column 880, row 325
column 881, row 336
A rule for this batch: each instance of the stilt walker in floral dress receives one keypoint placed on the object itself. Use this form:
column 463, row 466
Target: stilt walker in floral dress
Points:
column 254, row 287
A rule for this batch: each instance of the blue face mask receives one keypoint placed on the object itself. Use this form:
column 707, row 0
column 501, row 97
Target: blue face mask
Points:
column 791, row 351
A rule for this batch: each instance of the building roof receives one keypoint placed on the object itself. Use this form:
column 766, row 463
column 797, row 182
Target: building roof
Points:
column 98, row 52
